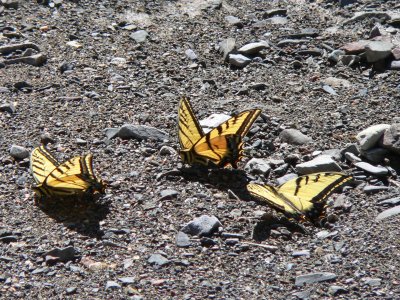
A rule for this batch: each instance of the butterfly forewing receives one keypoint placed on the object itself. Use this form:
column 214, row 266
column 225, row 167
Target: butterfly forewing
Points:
column 42, row 163
column 189, row 128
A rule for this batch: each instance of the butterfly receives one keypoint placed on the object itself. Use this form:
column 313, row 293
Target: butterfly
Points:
column 221, row 146
column 74, row 177
column 302, row 198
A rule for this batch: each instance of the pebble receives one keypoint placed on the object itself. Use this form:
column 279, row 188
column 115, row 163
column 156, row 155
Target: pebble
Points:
column 235, row 21
column 294, row 137
column 350, row 60
column 301, row 253
column 327, row 88
column 253, row 48
column 81, row 142
column 127, row 280
column 391, row 138
column 8, row 107
column 378, row 50
column 111, row 132
column 362, row 15
column 257, row 166
column 142, row 132
column 213, row 121
column 112, row 285
column 70, row 290
column 227, row 46
column 275, row 12
column 190, row 54
column 355, row 47
column 202, row 226
column 158, row 260
column 369, row 189
column 378, row 171
column 322, row 163
column 169, row 194
column 396, row 53
column 395, row 65
column 9, row 239
column 373, row 281
column 391, row 201
column 60, row 254
column 167, row 150
column 336, row 290
column 314, row 277
column 239, row 60
column 388, row 213
column 182, row 240
column 337, row 82
column 139, row 36
column 19, row 152
column 291, row 42
column 303, row 295
column 74, row 44
column 335, row 55
column 286, row 178
column 369, row 137
column 277, row 20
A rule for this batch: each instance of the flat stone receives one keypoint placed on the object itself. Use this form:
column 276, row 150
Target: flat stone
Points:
column 291, row 42
column 373, row 281
column 362, row 15
column 391, row 201
column 239, row 60
column 388, row 213
column 253, row 48
column 275, row 12
column 337, row 290
column 369, row 137
column 191, row 54
column 352, row 157
column 322, row 163
column 335, row 55
column 142, row 132
column 158, row 260
column 301, row 253
column 391, row 138
column 182, row 240
column 19, row 152
column 277, row 20
column 139, row 36
column 314, row 277
column 202, row 226
column 112, row 285
column 355, row 47
column 327, row 88
column 257, row 166
column 111, row 132
column 294, row 137
column 350, row 60
column 127, row 280
column 370, row 189
column 286, row 178
column 169, row 194
column 378, row 171
column 70, row 290
column 60, row 254
column 378, row 50
column 234, row 21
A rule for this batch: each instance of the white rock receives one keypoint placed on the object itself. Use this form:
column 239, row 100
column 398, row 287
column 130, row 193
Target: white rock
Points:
column 294, row 137
column 388, row 213
column 372, row 169
column 369, row 137
column 257, row 166
column 213, row 121
column 253, row 48
column 239, row 60
column 322, row 163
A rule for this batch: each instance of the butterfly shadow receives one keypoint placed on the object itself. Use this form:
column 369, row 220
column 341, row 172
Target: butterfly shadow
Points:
column 81, row 215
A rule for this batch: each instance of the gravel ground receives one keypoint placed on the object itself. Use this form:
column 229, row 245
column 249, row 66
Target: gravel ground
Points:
column 89, row 70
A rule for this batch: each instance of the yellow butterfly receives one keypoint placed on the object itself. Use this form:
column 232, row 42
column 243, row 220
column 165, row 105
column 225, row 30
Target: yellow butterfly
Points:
column 221, row 146
column 302, row 198
column 74, row 177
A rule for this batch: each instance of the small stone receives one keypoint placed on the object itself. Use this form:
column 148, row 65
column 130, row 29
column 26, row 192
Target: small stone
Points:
column 36, row 60
column 213, row 121
column 301, row 253
column 139, row 36
column 142, row 132
column 127, row 280
column 373, row 281
column 158, row 260
column 70, row 290
column 352, row 157
column 388, row 213
column 337, row 290
column 350, row 60
column 19, row 152
column 234, row 21
column 327, row 88
column 277, row 20
column 167, row 150
column 370, row 189
column 8, row 107
column 395, row 65
column 257, row 166
column 227, row 46
column 291, row 42
column 119, row 61
column 169, row 194
column 314, row 277
column 322, row 163
column 335, row 55
column 253, row 48
column 390, row 201
column 182, row 240
column 275, row 12
column 9, row 239
column 81, row 142
column 74, row 44
column 337, row 82
column 396, row 53
column 202, row 226
column 376, row 155
column 239, row 60
column 190, row 54
column 112, row 285
column 369, row 137
column 111, row 132
column 378, row 50
column 355, row 47
column 378, row 171
column 294, row 137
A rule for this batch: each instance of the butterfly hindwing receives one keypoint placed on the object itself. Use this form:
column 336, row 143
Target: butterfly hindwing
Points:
column 303, row 197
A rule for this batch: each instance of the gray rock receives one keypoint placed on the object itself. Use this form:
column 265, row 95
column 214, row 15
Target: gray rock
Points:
column 378, row 50
column 301, row 253
column 277, row 20
column 314, row 277
column 376, row 155
column 8, row 239
column 275, row 12
column 322, row 163
column 202, row 226
column 391, row 201
column 368, row 138
column 253, row 48
column 190, row 54
column 337, row 290
column 142, row 132
column 167, row 150
column 70, row 290
column 235, row 21
column 302, row 295
column 373, row 281
column 285, row 178
column 323, row 234
column 335, row 55
column 327, row 88
column 362, row 15
column 350, row 60
column 182, row 240
column 60, row 254
column 294, row 137
column 169, row 194
column 352, row 157
column 391, row 138
column 378, row 171
column 370, row 189
column 395, row 65
column 355, row 47
column 19, row 152
column 239, row 60
column 8, row 107
column 158, row 260
column 257, row 166
column 139, row 36
column 291, row 42
column 111, row 132
column 81, row 142
column 388, row 213
column 127, row 280
column 337, row 82
column 112, row 285
column 227, row 46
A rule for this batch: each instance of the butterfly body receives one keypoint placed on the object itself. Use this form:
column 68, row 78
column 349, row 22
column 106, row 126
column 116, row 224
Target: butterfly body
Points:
column 303, row 198
column 221, row 146
column 74, row 177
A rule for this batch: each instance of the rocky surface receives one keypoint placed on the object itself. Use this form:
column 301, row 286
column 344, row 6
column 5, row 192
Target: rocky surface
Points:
column 106, row 76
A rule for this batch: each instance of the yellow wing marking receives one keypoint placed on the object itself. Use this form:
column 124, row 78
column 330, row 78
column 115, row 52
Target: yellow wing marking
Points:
column 42, row 163
column 189, row 128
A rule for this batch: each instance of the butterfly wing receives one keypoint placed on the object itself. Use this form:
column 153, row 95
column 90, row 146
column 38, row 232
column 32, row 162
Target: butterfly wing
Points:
column 42, row 163
column 188, row 125
column 223, row 145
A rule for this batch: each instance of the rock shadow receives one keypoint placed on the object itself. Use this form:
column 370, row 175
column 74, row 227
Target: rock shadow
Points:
column 262, row 230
